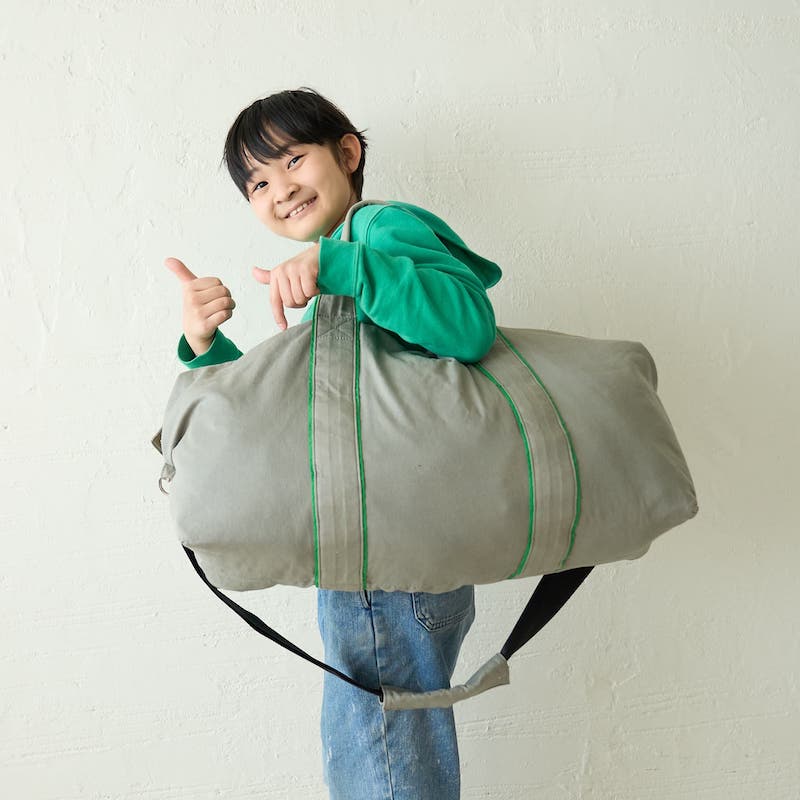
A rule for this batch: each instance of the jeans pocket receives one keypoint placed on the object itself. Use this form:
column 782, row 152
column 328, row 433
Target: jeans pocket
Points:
column 437, row 611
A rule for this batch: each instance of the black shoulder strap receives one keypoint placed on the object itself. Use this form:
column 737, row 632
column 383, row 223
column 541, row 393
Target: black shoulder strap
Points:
column 550, row 594
column 259, row 625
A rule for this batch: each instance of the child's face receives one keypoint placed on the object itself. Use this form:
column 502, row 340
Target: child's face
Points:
column 308, row 174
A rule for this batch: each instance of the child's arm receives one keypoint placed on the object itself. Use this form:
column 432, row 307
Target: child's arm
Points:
column 404, row 279
column 207, row 303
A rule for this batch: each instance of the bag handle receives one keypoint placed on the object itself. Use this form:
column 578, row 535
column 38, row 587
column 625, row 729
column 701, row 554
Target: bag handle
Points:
column 347, row 224
column 332, row 306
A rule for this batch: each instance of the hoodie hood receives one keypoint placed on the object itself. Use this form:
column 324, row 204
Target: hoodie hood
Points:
column 488, row 272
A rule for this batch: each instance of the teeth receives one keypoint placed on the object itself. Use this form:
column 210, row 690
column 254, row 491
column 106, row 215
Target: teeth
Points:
column 298, row 210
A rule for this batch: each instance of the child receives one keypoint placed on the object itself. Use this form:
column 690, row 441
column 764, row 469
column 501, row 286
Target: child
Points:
column 299, row 162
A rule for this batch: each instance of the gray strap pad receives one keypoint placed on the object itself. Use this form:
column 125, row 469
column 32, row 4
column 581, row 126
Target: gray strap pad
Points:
column 493, row 673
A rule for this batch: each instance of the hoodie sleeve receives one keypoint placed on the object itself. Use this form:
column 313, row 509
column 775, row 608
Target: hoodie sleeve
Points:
column 222, row 349
column 404, row 279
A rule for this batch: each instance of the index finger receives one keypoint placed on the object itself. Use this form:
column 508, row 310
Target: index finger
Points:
column 180, row 269
column 277, row 306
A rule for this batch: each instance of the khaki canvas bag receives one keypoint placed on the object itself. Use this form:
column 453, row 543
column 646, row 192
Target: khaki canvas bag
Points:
column 335, row 455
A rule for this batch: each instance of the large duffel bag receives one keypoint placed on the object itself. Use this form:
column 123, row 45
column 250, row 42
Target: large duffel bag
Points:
column 336, row 456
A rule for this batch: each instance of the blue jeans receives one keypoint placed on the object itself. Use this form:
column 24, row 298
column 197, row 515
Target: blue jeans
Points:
column 397, row 639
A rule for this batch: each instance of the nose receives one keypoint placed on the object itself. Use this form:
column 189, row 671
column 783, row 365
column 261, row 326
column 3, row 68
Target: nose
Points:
column 285, row 191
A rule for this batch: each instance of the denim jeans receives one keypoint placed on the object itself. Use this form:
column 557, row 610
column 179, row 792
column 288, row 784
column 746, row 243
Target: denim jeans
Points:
column 398, row 639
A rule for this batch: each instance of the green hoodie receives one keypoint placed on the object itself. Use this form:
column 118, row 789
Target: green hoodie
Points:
column 409, row 273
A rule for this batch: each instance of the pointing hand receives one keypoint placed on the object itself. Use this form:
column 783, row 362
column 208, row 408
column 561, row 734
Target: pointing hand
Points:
column 291, row 284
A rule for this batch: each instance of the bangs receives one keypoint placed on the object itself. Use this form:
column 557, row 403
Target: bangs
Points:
column 251, row 140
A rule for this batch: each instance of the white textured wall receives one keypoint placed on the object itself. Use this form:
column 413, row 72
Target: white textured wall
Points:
column 633, row 166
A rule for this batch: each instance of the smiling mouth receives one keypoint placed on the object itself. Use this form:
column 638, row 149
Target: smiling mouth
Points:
column 301, row 209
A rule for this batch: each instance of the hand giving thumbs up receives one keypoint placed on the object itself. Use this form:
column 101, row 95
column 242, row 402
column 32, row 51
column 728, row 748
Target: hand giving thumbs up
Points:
column 207, row 303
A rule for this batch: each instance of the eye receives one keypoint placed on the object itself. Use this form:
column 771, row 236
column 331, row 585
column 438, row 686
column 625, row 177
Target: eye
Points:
column 260, row 183
column 296, row 158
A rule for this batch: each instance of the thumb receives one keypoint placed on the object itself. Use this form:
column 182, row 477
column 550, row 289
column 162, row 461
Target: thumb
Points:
column 261, row 275
column 180, row 269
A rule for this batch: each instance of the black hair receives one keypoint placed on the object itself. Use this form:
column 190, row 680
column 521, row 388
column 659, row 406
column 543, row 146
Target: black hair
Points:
column 269, row 127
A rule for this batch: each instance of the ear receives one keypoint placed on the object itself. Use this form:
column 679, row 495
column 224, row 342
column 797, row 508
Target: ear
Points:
column 350, row 149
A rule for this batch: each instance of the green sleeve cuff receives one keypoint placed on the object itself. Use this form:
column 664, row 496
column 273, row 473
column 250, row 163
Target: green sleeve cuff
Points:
column 222, row 349
column 338, row 266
